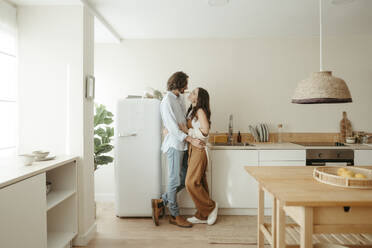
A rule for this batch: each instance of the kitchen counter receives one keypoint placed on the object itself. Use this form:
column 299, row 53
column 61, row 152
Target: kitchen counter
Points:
column 288, row 146
column 260, row 146
column 12, row 170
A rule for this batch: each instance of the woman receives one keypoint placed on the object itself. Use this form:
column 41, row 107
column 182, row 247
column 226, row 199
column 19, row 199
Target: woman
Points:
column 199, row 115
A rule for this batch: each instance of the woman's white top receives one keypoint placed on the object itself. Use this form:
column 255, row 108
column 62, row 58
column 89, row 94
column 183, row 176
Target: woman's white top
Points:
column 196, row 133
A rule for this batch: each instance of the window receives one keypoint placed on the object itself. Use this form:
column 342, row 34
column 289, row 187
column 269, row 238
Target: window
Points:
column 8, row 79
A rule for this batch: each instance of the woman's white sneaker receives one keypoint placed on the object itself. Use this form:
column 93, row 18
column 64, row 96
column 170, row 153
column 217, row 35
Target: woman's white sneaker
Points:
column 195, row 220
column 212, row 217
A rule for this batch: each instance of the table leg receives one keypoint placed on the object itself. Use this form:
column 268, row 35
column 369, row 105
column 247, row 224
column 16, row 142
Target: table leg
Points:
column 306, row 227
column 273, row 222
column 280, row 225
column 260, row 217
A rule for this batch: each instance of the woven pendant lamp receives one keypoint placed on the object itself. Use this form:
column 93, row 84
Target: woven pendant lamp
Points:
column 321, row 87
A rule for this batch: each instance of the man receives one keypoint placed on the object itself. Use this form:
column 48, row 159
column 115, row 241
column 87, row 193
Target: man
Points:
column 173, row 113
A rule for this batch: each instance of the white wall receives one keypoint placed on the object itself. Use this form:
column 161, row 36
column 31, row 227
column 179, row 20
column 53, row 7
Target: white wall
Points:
column 252, row 78
column 49, row 45
column 8, row 79
column 55, row 53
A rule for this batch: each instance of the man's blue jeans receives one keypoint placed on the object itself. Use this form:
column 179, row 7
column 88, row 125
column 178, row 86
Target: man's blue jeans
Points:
column 177, row 169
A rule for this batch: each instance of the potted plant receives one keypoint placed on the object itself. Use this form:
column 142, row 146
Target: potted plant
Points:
column 103, row 134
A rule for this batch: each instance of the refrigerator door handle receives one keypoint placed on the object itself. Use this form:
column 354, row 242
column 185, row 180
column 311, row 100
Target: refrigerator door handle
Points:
column 127, row 134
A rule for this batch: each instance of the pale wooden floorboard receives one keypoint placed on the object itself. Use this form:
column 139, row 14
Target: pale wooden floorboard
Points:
column 113, row 232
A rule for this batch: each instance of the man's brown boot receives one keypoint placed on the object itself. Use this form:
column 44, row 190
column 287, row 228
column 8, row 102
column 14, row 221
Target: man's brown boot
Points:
column 179, row 221
column 157, row 208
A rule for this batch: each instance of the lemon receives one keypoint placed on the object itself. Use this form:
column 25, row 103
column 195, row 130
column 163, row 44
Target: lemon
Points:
column 360, row 175
column 341, row 171
column 348, row 174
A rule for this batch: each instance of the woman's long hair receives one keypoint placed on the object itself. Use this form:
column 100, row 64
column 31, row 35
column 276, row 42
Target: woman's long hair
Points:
column 202, row 103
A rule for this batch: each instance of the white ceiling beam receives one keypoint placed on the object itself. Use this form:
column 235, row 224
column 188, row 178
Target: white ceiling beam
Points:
column 102, row 20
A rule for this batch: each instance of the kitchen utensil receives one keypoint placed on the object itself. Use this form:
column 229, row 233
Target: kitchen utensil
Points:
column 267, row 132
column 263, row 132
column 350, row 140
column 27, row 159
column 254, row 133
column 40, row 154
column 259, row 131
column 365, row 139
column 50, row 157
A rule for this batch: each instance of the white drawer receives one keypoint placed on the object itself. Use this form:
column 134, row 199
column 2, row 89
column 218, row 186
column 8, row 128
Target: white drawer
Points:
column 243, row 156
column 282, row 155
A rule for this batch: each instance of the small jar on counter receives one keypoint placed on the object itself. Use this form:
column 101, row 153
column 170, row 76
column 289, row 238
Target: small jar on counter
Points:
column 280, row 131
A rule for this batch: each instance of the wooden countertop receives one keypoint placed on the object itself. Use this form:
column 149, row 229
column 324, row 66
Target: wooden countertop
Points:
column 295, row 186
column 288, row 146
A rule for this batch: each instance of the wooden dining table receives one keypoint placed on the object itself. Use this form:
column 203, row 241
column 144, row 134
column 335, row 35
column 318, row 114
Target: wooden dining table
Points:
column 342, row 214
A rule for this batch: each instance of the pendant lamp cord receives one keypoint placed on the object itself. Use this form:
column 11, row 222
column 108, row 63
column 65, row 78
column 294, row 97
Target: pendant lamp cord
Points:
column 321, row 34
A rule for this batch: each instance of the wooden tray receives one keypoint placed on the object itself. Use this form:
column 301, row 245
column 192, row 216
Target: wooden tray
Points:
column 328, row 175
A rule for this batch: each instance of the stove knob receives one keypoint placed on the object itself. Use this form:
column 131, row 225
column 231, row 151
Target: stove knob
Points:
column 319, row 155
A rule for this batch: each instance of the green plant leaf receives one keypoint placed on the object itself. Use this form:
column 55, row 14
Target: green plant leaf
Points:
column 104, row 148
column 109, row 132
column 97, row 142
column 100, row 160
column 105, row 140
column 108, row 121
column 100, row 114
column 100, row 132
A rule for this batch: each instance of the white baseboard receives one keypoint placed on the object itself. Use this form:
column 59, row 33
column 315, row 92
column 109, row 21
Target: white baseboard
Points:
column 104, row 197
column 83, row 239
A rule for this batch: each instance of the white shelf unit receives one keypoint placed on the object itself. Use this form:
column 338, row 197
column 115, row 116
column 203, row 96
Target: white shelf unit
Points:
column 62, row 206
column 59, row 239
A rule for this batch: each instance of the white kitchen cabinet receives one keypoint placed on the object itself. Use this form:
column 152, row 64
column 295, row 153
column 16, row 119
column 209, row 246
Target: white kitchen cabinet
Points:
column 62, row 205
column 363, row 157
column 23, row 214
column 282, row 155
column 281, row 158
column 232, row 186
column 31, row 218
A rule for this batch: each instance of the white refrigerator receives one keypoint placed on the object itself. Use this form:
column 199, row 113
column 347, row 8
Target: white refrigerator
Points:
column 137, row 156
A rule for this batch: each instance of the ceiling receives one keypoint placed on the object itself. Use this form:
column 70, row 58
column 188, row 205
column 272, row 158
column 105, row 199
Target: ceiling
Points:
column 149, row 19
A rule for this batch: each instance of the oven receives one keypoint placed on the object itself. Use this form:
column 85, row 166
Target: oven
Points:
column 322, row 157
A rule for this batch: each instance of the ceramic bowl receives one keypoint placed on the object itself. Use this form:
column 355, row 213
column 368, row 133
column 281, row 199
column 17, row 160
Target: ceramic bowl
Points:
column 27, row 159
column 40, row 154
column 350, row 140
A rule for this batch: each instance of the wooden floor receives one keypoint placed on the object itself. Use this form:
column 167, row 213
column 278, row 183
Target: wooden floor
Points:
column 113, row 232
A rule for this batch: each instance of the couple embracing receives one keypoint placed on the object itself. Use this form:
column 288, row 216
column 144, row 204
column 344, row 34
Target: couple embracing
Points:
column 185, row 148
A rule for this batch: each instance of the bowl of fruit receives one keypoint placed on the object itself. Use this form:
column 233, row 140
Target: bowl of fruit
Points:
column 345, row 176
